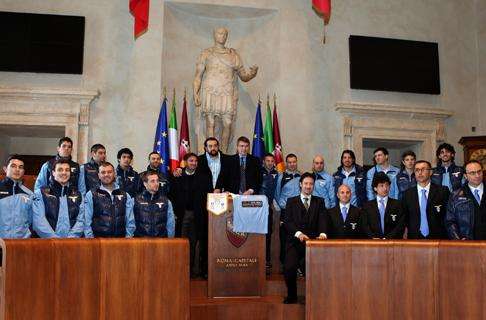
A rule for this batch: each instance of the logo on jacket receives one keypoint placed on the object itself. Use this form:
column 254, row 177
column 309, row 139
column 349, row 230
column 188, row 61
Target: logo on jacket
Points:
column 394, row 217
column 359, row 179
column 73, row 198
column 437, row 208
column 456, row 174
column 237, row 239
column 160, row 204
column 119, row 196
column 353, row 225
column 73, row 170
column 131, row 179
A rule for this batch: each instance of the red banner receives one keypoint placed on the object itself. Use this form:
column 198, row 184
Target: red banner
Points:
column 140, row 11
column 323, row 8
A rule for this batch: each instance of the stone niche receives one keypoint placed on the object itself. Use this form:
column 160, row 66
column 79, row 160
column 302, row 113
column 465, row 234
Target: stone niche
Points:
column 253, row 32
column 394, row 125
column 65, row 109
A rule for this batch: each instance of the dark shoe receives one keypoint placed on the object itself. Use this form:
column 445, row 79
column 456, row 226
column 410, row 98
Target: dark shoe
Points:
column 290, row 300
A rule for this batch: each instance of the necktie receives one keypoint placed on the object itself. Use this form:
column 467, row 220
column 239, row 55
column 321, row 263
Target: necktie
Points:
column 344, row 213
column 476, row 195
column 446, row 179
column 424, row 224
column 381, row 208
column 242, row 175
column 306, row 203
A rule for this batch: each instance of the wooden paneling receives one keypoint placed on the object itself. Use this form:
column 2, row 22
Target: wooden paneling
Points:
column 97, row 279
column 396, row 280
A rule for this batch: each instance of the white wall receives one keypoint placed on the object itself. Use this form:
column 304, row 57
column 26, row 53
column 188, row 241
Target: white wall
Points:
column 308, row 77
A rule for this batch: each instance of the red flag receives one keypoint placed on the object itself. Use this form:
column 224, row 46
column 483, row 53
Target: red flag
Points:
column 140, row 11
column 323, row 9
column 277, row 152
column 184, row 144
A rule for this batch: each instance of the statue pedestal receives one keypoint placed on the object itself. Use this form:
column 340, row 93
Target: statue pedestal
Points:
column 236, row 261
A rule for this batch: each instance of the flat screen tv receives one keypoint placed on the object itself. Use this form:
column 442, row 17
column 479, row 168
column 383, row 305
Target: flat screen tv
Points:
column 43, row 43
column 394, row 65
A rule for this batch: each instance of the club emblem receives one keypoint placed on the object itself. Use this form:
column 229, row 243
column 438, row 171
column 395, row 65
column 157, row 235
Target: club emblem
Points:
column 131, row 179
column 394, row 217
column 456, row 174
column 120, row 197
column 237, row 239
column 217, row 203
column 359, row 179
column 73, row 170
column 160, row 204
column 25, row 199
column 437, row 208
column 274, row 175
column 73, row 198
column 353, row 225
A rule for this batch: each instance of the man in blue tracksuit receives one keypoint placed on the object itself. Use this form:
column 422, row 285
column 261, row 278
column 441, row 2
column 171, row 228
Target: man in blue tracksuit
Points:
column 287, row 187
column 126, row 177
column 155, row 164
column 323, row 185
column 108, row 209
column 64, row 150
column 59, row 208
column 352, row 175
column 382, row 164
column 89, row 170
column 447, row 173
column 269, row 184
column 405, row 179
column 154, row 215
column 15, row 201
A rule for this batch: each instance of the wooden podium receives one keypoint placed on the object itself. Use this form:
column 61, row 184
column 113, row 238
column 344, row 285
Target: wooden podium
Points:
column 236, row 261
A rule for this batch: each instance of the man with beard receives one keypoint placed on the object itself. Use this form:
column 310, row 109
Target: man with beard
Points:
column 59, row 208
column 352, row 175
column 447, row 173
column 64, row 150
column 108, row 209
column 155, row 163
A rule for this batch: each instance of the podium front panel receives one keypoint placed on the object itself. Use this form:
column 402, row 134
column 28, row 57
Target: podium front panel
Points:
column 236, row 261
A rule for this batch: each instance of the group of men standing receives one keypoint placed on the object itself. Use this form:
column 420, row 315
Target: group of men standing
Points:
column 385, row 202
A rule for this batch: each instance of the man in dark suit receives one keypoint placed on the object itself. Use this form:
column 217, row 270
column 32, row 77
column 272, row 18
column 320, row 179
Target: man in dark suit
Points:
column 342, row 222
column 382, row 218
column 304, row 220
column 425, row 205
column 466, row 210
column 242, row 175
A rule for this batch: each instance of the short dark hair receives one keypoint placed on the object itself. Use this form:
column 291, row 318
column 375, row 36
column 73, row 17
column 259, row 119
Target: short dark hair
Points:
column 210, row 139
column 382, row 149
column 106, row 164
column 473, row 161
column 123, row 151
column 65, row 139
column 96, row 147
column 446, row 146
column 153, row 152
column 423, row 161
column 149, row 173
column 406, row 154
column 351, row 154
column 188, row 155
column 268, row 155
column 380, row 177
column 243, row 139
column 14, row 157
column 307, row 175
column 290, row 155
column 61, row 161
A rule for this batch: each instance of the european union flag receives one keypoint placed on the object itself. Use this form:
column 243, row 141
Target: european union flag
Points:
column 258, row 148
column 161, row 143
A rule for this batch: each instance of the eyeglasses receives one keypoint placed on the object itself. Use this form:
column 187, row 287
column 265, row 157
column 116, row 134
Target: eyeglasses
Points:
column 475, row 173
column 421, row 170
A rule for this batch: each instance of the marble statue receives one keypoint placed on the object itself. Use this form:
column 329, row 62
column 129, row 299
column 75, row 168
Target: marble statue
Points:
column 216, row 86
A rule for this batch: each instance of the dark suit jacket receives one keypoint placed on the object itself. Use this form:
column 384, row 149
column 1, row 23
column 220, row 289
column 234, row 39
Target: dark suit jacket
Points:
column 231, row 174
column 436, row 211
column 310, row 222
column 336, row 228
column 394, row 220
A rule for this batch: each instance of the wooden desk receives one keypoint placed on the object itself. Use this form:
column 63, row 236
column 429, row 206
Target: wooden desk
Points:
column 395, row 280
column 96, row 279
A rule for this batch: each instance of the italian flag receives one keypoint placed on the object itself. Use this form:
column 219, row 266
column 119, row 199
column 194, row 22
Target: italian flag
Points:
column 173, row 145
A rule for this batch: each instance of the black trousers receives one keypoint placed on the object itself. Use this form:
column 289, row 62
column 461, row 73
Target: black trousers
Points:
column 188, row 230
column 294, row 258
column 268, row 237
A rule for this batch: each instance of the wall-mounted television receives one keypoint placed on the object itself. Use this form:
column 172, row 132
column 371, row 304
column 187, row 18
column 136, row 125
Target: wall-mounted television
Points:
column 43, row 43
column 394, row 65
